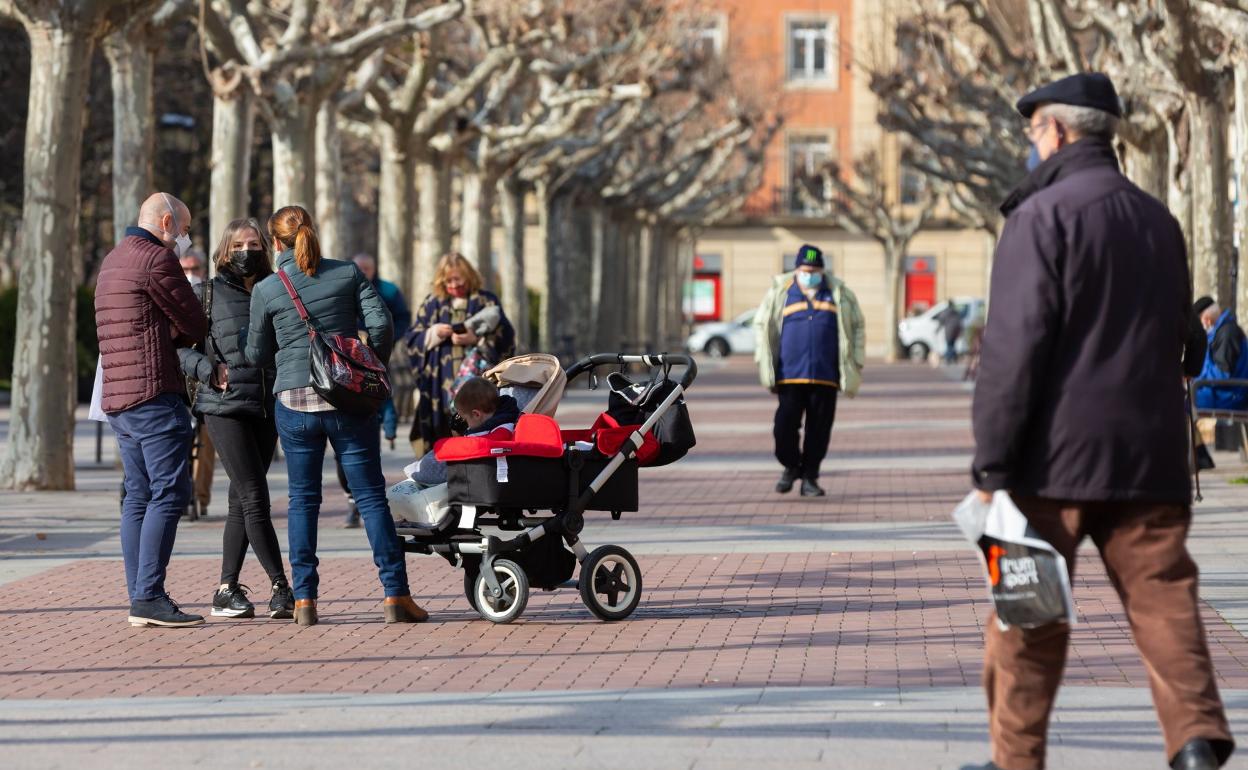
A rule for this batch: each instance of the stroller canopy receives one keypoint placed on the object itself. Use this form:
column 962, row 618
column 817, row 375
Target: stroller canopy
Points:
column 536, row 380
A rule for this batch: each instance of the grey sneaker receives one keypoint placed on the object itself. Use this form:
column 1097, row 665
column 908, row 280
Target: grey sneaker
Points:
column 811, row 489
column 353, row 516
column 785, row 484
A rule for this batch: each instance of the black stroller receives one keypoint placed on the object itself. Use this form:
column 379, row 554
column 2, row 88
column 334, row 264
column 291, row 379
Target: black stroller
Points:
column 540, row 485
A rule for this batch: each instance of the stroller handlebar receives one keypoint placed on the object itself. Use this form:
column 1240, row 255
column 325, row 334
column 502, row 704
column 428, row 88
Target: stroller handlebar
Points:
column 589, row 363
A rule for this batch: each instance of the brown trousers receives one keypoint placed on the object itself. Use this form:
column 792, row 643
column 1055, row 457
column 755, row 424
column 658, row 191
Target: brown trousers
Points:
column 1143, row 548
column 202, row 468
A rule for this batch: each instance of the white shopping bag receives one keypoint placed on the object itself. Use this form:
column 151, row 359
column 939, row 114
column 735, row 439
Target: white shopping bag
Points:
column 96, row 410
column 1027, row 578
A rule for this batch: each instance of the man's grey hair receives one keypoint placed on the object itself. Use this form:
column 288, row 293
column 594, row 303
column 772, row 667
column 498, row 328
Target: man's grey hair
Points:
column 1084, row 121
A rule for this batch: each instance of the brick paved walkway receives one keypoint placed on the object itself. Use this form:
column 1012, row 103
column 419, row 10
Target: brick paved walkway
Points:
column 868, row 590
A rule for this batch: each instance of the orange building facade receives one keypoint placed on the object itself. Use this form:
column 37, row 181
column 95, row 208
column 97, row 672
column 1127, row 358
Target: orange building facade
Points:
column 808, row 59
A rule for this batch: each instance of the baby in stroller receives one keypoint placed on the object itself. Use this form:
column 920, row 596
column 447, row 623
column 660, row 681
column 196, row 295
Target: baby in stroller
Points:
column 532, row 383
column 485, row 411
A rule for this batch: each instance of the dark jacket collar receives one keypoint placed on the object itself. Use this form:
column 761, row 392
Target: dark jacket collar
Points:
column 140, row 232
column 228, row 276
column 1080, row 156
column 508, row 412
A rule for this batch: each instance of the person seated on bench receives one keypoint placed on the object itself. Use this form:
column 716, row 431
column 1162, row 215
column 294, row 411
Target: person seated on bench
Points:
column 487, row 414
column 1225, row 359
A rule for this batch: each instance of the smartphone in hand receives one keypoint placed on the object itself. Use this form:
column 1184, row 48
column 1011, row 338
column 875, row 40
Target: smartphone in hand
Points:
column 459, row 328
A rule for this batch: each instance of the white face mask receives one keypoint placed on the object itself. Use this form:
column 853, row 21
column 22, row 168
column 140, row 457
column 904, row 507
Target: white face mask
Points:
column 181, row 243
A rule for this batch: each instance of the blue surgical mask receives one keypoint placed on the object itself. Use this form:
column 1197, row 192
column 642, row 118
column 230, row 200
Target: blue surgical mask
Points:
column 809, row 280
column 1033, row 160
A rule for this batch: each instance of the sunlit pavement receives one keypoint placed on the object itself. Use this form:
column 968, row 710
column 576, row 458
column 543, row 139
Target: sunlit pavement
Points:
column 774, row 631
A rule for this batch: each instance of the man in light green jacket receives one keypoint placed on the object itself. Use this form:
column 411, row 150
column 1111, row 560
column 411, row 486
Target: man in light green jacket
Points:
column 810, row 348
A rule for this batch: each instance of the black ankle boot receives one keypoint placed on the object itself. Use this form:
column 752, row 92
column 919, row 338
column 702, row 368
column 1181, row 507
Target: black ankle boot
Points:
column 1196, row 755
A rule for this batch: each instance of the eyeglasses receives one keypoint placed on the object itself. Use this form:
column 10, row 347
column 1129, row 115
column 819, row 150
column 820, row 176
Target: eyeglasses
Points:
column 1033, row 131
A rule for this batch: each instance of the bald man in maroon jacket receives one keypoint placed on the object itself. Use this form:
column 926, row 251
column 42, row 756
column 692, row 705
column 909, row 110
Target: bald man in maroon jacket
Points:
column 144, row 311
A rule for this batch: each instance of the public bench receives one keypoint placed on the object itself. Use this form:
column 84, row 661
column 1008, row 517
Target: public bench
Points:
column 1238, row 417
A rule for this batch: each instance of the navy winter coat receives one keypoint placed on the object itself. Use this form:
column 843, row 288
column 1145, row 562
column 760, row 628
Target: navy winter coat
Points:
column 337, row 298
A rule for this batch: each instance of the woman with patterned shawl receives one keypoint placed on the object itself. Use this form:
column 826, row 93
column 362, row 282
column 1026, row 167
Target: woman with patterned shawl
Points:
column 437, row 351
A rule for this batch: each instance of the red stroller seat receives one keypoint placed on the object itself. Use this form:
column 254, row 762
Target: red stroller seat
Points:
column 541, row 468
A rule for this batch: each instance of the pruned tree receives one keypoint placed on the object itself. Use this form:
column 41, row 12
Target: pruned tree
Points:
column 413, row 105
column 527, row 109
column 62, row 36
column 1173, row 63
column 860, row 200
column 131, row 50
column 292, row 57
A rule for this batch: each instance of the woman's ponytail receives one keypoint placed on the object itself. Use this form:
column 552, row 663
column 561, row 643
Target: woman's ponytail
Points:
column 292, row 226
column 307, row 249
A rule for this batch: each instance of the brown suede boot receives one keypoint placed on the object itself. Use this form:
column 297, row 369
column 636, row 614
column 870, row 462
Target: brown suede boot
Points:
column 401, row 609
column 305, row 612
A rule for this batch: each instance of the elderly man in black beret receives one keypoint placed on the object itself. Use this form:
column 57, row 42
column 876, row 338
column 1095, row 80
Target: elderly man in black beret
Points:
column 1079, row 415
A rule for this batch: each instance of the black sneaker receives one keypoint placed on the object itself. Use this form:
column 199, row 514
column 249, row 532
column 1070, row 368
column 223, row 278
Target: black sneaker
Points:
column 811, row 489
column 231, row 602
column 785, row 484
column 282, row 605
column 161, row 611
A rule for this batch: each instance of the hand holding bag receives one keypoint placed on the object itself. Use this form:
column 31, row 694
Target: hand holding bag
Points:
column 345, row 371
column 1027, row 578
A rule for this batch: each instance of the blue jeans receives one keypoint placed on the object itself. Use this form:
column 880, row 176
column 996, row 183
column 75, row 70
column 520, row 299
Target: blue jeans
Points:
column 355, row 441
column 155, row 442
column 389, row 419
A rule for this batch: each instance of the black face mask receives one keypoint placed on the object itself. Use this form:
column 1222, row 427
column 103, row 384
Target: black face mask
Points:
column 247, row 263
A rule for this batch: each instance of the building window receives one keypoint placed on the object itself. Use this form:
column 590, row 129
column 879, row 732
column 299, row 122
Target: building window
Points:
column 708, row 36
column 808, row 154
column 913, row 184
column 813, row 50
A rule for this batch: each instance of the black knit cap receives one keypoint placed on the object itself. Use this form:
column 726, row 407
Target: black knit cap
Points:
column 808, row 256
column 1202, row 304
column 1090, row 89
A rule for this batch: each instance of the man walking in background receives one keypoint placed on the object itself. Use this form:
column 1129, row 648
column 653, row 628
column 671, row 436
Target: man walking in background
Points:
column 144, row 311
column 402, row 317
column 1079, row 413
column 950, row 320
column 810, row 347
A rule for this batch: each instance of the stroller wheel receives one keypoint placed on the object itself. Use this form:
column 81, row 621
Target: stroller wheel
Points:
column 515, row 585
column 610, row 582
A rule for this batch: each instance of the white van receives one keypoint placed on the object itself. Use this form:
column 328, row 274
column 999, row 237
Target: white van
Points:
column 922, row 334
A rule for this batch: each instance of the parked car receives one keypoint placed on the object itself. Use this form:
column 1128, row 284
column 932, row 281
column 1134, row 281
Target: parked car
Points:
column 920, row 335
column 723, row 338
